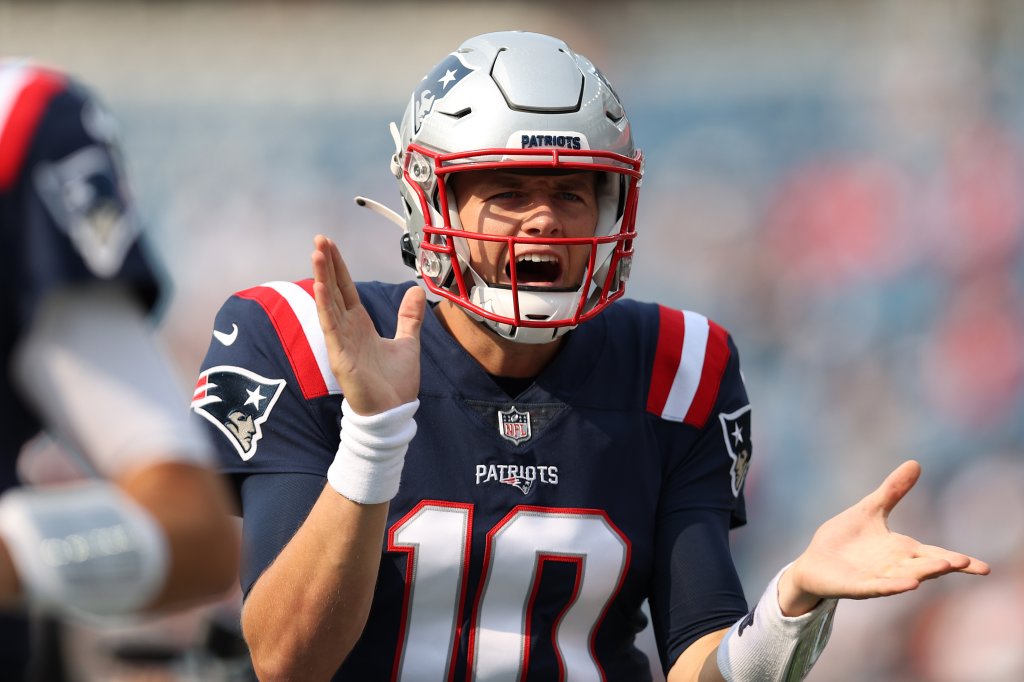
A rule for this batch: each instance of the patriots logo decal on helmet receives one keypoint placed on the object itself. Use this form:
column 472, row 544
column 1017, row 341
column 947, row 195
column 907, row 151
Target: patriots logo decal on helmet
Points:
column 237, row 402
column 437, row 84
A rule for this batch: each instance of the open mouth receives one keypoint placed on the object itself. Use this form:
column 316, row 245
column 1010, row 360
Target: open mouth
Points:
column 536, row 269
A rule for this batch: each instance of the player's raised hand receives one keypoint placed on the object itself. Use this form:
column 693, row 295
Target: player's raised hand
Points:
column 375, row 374
column 855, row 555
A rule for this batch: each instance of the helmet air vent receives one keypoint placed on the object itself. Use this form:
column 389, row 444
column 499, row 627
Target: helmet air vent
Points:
column 544, row 79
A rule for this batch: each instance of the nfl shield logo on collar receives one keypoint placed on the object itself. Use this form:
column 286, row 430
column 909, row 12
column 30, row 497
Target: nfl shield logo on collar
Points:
column 514, row 425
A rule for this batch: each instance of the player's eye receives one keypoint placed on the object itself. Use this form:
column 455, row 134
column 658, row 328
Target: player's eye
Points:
column 506, row 194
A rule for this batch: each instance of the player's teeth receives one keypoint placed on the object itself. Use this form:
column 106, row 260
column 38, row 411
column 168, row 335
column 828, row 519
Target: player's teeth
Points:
column 536, row 258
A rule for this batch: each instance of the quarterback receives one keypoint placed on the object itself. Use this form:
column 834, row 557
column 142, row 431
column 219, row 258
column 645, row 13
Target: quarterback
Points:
column 488, row 485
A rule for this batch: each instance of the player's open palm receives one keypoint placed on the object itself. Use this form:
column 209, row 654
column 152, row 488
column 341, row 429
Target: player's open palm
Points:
column 375, row 373
column 855, row 555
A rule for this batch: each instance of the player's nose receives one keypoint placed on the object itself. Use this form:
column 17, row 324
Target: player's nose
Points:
column 541, row 219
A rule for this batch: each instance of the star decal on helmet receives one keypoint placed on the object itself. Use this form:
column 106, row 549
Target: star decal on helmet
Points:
column 437, row 84
column 237, row 402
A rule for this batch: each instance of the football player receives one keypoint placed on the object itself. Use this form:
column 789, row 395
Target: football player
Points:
column 153, row 529
column 527, row 458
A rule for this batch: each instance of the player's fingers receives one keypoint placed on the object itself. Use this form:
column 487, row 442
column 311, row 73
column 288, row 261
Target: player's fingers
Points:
column 323, row 270
column 329, row 268
column 976, row 567
column 884, row 587
column 895, row 486
column 410, row 313
column 922, row 568
column 346, row 286
column 326, row 310
column 959, row 562
column 320, row 261
column 926, row 567
column 955, row 559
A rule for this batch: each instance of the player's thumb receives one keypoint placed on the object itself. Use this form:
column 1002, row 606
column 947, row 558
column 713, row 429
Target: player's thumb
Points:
column 895, row 486
column 410, row 313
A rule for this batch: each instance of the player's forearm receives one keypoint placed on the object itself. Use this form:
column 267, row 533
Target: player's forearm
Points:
column 191, row 505
column 698, row 662
column 308, row 609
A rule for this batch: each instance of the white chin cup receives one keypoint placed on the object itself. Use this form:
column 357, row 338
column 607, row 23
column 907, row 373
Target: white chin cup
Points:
column 538, row 305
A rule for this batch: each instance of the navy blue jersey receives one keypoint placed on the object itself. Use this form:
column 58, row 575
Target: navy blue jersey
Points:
column 66, row 217
column 527, row 530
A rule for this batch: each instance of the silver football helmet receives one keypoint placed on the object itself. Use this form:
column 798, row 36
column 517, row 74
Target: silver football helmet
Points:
column 523, row 101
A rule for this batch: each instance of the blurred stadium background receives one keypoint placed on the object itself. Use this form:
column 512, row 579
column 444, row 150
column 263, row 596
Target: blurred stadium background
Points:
column 840, row 184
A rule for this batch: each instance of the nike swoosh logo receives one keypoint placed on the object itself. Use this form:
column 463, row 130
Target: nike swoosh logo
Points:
column 227, row 339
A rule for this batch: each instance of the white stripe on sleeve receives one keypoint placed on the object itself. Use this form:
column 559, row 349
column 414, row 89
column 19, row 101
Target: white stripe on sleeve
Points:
column 687, row 379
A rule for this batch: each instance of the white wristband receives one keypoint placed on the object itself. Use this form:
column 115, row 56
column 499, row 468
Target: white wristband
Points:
column 85, row 548
column 767, row 646
column 368, row 465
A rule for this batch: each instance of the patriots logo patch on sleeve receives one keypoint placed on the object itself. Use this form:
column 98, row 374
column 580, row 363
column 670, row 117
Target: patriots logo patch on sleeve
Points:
column 736, row 430
column 237, row 402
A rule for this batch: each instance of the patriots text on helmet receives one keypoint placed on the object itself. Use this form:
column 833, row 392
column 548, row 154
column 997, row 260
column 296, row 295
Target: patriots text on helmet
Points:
column 563, row 141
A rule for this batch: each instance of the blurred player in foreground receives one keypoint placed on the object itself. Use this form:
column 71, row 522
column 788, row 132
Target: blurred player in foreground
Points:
column 572, row 453
column 152, row 530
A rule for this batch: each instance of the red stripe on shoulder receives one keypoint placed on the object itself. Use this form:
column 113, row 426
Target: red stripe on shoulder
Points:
column 716, row 359
column 201, row 387
column 292, row 337
column 667, row 354
column 25, row 113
